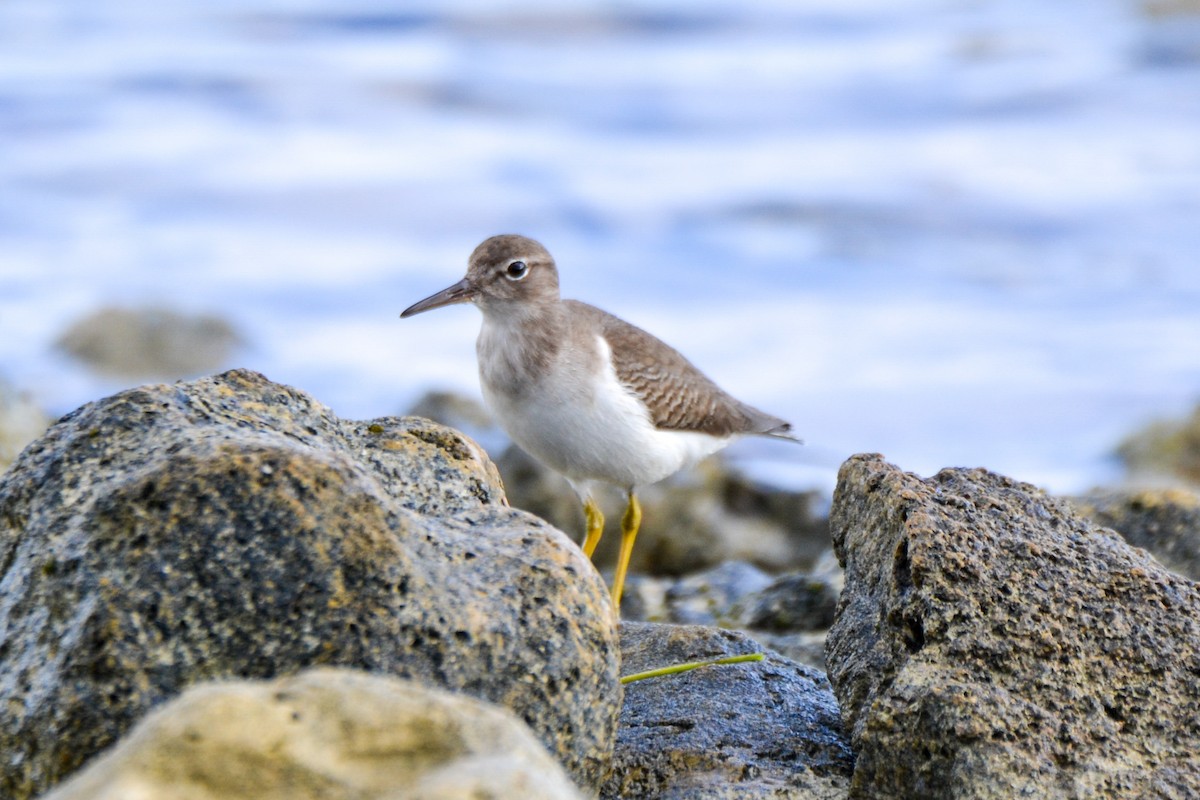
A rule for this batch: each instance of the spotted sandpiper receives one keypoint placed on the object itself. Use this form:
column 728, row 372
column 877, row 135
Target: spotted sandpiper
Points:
column 587, row 394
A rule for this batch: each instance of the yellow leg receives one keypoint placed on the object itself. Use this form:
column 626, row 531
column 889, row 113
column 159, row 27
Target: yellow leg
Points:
column 595, row 526
column 629, row 530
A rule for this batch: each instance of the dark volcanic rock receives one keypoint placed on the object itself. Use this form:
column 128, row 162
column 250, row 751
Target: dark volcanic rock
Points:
column 992, row 644
column 232, row 527
column 1164, row 521
column 758, row 730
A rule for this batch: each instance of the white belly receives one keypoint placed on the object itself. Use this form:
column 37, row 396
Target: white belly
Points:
column 590, row 428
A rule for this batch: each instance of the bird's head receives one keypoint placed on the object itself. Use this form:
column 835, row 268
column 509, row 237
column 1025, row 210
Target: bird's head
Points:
column 504, row 272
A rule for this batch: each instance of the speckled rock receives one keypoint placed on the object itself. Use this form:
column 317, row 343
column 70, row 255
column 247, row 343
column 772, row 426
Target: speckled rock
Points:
column 1164, row 521
column 324, row 734
column 757, row 730
column 990, row 643
column 232, row 527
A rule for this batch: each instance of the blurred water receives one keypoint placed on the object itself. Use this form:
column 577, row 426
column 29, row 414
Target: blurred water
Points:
column 958, row 233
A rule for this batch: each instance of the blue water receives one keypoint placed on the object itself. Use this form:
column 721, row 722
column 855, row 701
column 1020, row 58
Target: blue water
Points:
column 958, row 233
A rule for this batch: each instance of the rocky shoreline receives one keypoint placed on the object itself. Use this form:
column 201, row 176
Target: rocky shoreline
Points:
column 218, row 588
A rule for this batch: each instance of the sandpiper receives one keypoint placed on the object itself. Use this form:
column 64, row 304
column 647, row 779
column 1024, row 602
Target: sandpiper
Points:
column 587, row 394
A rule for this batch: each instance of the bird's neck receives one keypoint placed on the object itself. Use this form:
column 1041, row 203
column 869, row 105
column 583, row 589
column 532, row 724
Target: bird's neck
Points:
column 519, row 343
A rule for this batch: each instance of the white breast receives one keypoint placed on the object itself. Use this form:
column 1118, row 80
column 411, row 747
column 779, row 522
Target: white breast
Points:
column 585, row 425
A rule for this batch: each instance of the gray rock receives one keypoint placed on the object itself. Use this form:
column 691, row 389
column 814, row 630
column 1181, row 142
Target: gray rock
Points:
column 803, row 647
column 235, row 528
column 757, row 730
column 828, row 569
column 324, row 734
column 146, row 343
column 455, row 411
column 789, row 614
column 645, row 598
column 704, row 598
column 990, row 643
column 791, row 603
column 1164, row 521
column 708, row 598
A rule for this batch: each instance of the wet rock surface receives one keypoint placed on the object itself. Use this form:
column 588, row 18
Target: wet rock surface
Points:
column 756, row 730
column 990, row 643
column 324, row 734
column 235, row 528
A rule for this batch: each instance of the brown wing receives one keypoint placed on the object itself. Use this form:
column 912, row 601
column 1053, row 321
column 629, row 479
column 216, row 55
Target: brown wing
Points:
column 678, row 395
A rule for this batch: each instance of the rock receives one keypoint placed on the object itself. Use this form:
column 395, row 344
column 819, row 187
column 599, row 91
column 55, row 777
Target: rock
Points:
column 546, row 494
column 708, row 598
column 791, row 603
column 143, row 343
column 803, row 647
column 235, row 528
column 789, row 614
column 704, row 598
column 1164, row 450
column 990, row 643
column 455, row 411
column 324, row 734
column 645, row 599
column 1164, row 521
column 829, row 569
column 757, row 730
column 21, row 421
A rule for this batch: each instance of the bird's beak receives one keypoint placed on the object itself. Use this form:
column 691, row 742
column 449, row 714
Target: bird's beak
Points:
column 461, row 292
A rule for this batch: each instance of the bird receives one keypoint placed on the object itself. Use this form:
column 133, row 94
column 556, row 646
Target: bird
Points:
column 590, row 396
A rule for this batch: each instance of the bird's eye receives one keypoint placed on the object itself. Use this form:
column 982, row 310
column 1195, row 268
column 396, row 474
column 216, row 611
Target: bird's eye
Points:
column 516, row 270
